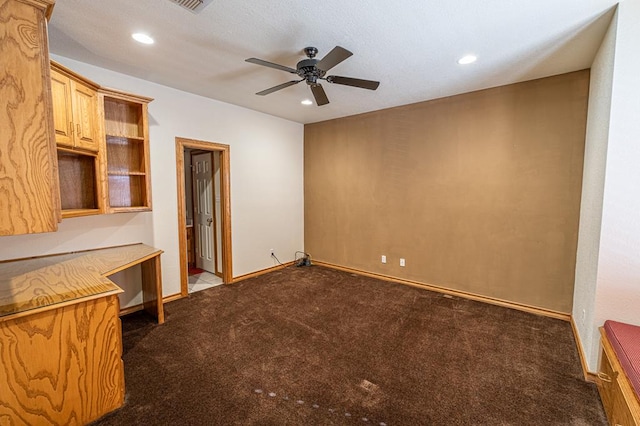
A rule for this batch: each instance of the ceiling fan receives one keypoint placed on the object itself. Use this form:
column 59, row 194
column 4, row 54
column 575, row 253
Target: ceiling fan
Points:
column 312, row 70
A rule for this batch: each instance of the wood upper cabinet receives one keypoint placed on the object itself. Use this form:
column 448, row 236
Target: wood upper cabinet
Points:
column 126, row 128
column 75, row 109
column 62, row 118
column 85, row 116
column 29, row 191
column 77, row 132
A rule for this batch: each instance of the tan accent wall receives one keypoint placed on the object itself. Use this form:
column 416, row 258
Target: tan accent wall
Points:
column 479, row 192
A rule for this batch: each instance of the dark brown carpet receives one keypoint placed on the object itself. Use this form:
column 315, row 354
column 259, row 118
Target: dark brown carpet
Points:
column 307, row 346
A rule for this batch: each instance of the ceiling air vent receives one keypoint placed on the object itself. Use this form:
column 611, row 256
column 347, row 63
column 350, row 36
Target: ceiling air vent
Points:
column 194, row 6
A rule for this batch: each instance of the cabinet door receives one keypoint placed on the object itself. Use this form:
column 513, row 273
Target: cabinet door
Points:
column 85, row 112
column 28, row 183
column 62, row 118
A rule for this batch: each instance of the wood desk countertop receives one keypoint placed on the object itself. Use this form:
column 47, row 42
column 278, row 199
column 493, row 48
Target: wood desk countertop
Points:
column 42, row 283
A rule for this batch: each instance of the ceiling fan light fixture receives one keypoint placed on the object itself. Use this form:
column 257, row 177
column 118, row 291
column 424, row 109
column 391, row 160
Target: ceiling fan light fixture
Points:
column 467, row 59
column 307, row 102
column 142, row 38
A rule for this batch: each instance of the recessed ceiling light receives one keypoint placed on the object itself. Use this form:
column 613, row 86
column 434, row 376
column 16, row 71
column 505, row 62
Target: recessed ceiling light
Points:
column 468, row 59
column 142, row 38
column 306, row 102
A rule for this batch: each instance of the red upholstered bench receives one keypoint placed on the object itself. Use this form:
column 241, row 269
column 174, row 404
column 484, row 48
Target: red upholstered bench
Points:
column 619, row 375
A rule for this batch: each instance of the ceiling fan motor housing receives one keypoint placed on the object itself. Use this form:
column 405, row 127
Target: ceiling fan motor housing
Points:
column 307, row 69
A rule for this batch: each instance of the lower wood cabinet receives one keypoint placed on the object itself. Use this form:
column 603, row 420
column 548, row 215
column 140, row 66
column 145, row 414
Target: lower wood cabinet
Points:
column 63, row 366
column 620, row 404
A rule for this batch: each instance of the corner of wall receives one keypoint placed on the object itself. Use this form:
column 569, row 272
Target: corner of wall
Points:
column 595, row 158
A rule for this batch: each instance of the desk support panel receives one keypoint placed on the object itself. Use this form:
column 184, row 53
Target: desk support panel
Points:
column 152, row 288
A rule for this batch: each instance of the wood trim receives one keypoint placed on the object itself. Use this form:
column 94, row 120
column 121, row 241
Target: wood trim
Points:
column 125, row 95
column 172, row 298
column 225, row 189
column 588, row 375
column 225, row 205
column 46, row 5
column 78, row 151
column 147, row 154
column 592, row 377
column 69, row 73
column 53, row 147
column 60, row 305
column 66, row 214
column 182, row 221
column 262, row 272
column 493, row 301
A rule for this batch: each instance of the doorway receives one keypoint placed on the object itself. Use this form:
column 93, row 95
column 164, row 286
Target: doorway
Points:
column 204, row 214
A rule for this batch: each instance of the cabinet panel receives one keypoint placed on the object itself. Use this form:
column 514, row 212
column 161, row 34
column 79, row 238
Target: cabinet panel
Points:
column 85, row 114
column 75, row 110
column 28, row 163
column 62, row 119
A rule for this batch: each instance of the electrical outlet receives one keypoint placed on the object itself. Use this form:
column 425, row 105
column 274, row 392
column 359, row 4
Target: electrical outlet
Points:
column 383, row 259
column 401, row 262
column 271, row 252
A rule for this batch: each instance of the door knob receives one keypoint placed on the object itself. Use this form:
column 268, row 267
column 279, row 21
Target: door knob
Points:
column 209, row 221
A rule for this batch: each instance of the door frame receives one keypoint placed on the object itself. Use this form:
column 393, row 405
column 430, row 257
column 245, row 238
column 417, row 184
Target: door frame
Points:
column 225, row 206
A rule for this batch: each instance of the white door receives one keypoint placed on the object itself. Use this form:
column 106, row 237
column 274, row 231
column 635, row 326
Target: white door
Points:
column 203, row 211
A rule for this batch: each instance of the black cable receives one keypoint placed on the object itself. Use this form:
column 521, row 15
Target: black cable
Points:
column 276, row 258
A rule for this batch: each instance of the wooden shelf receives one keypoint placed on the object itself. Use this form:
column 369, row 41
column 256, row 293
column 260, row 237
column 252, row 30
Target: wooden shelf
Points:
column 114, row 173
column 127, row 152
column 79, row 212
column 131, row 138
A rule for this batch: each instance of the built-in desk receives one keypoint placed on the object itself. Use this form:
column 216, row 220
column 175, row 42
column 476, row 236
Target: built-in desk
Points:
column 60, row 333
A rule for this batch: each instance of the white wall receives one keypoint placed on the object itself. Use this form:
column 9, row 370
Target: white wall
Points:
column 595, row 157
column 618, row 285
column 608, row 273
column 266, row 183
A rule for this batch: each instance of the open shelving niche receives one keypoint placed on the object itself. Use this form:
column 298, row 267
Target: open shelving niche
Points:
column 79, row 192
column 127, row 151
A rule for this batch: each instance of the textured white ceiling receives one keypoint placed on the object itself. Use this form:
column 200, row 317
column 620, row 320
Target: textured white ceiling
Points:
column 410, row 46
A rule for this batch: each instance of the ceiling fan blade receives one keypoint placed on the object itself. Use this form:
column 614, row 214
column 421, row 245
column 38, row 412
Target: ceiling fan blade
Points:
column 271, row 65
column 319, row 94
column 278, row 87
column 355, row 82
column 333, row 58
